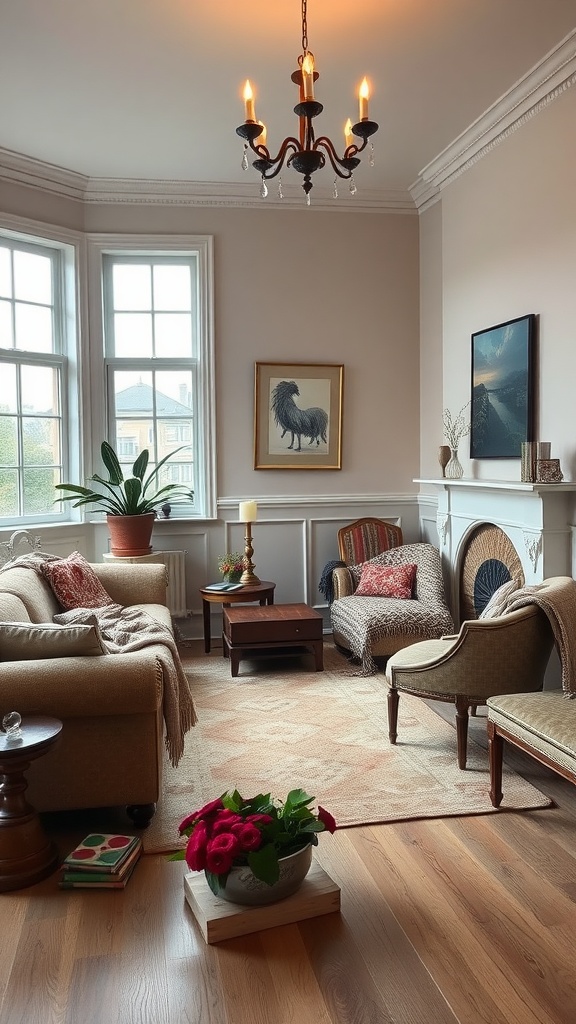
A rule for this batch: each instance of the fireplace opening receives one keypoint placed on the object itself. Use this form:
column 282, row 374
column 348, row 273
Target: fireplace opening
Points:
column 489, row 560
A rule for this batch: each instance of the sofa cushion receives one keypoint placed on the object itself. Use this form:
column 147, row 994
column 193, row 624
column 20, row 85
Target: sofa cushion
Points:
column 32, row 589
column 74, row 582
column 386, row 581
column 28, row 641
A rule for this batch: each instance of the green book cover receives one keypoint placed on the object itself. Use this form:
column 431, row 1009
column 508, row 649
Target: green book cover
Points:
column 101, row 852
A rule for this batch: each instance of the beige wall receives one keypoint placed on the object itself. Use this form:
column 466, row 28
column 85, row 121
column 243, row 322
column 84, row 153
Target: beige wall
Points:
column 305, row 286
column 508, row 230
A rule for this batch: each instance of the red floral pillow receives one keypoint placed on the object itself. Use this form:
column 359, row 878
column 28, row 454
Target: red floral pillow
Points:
column 386, row 581
column 75, row 584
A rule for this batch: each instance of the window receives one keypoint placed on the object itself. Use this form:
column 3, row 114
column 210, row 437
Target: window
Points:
column 158, row 364
column 34, row 377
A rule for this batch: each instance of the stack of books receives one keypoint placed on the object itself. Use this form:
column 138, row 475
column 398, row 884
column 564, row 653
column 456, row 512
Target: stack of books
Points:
column 101, row 861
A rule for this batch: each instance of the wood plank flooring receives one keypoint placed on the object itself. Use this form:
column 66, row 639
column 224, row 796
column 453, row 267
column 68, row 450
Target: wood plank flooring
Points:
column 457, row 921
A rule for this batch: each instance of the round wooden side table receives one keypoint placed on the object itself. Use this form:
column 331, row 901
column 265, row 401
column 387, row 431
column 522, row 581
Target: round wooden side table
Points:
column 262, row 592
column 26, row 854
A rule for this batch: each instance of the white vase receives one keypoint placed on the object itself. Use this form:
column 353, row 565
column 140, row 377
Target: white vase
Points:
column 243, row 887
column 454, row 468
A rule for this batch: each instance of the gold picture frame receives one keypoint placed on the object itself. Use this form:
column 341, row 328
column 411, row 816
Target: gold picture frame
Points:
column 298, row 415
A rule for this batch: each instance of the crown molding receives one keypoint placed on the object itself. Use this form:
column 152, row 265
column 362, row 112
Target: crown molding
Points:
column 48, row 178
column 547, row 80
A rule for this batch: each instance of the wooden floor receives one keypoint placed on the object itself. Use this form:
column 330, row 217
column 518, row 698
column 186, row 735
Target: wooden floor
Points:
column 462, row 920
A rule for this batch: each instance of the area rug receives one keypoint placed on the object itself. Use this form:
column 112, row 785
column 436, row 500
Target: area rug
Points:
column 280, row 725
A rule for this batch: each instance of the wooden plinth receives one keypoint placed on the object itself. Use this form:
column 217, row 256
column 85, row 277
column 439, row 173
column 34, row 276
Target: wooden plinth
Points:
column 219, row 920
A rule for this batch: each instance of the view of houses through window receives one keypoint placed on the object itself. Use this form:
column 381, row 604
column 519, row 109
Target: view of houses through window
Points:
column 157, row 355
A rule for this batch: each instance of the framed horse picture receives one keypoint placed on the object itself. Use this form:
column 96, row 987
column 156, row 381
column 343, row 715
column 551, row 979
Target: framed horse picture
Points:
column 298, row 415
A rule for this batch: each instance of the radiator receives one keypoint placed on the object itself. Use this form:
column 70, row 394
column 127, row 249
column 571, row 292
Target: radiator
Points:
column 175, row 565
column 176, row 596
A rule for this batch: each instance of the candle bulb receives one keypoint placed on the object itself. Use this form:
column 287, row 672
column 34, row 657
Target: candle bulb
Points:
column 261, row 140
column 348, row 137
column 249, row 102
column 308, row 76
column 248, row 511
column 363, row 96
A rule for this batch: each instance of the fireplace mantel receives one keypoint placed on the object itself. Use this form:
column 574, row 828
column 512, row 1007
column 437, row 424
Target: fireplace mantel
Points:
column 535, row 516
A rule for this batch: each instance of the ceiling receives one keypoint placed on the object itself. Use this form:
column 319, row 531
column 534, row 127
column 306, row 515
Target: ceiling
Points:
column 151, row 89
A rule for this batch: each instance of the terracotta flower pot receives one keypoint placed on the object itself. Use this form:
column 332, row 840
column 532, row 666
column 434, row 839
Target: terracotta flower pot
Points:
column 130, row 535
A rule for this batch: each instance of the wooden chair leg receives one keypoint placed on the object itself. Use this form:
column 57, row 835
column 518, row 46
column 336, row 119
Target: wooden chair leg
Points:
column 495, row 752
column 393, row 698
column 462, row 730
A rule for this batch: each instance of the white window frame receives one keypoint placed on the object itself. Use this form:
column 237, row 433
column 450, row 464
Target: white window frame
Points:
column 101, row 415
column 66, row 248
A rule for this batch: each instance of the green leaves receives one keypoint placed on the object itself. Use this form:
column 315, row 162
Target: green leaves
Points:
column 131, row 496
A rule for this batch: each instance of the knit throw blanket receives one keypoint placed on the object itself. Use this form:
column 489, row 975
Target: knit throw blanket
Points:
column 326, row 586
column 556, row 597
column 130, row 629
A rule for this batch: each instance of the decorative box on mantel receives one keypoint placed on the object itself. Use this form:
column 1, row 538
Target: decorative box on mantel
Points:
column 535, row 517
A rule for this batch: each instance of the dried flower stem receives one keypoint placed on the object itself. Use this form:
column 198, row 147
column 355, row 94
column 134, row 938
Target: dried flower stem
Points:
column 455, row 428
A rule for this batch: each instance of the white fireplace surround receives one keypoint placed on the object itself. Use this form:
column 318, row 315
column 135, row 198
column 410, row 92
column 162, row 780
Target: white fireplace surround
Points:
column 535, row 516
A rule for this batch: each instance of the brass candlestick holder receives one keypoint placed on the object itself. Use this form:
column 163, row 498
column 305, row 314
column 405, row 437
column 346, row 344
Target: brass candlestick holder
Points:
column 248, row 576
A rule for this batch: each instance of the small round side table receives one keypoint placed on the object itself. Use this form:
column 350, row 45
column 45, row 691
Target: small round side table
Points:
column 26, row 854
column 262, row 592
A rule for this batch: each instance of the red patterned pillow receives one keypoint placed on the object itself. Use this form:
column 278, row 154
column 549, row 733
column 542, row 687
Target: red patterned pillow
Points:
column 386, row 581
column 74, row 583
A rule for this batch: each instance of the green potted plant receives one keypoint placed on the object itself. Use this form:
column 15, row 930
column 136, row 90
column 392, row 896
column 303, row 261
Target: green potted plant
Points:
column 129, row 502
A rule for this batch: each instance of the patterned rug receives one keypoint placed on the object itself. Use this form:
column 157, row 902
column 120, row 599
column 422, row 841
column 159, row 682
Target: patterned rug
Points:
column 280, row 725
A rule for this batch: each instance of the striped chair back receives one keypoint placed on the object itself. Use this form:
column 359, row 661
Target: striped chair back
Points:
column 365, row 538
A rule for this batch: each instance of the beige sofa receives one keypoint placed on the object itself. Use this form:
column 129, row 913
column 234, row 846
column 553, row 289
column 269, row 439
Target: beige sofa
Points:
column 111, row 747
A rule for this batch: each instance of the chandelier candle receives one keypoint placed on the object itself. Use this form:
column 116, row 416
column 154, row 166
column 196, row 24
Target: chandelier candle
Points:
column 248, row 511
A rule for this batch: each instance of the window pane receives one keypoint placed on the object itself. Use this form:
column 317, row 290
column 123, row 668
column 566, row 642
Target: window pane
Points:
column 32, row 277
column 173, row 335
column 33, row 328
column 132, row 286
column 133, row 395
column 40, row 441
column 133, row 335
column 173, row 393
column 8, row 441
column 8, row 388
column 6, row 339
column 39, row 493
column 172, row 287
column 9, row 493
column 40, row 389
column 5, row 273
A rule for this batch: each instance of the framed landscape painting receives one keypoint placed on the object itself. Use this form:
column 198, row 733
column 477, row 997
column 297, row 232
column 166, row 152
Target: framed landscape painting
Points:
column 502, row 389
column 298, row 416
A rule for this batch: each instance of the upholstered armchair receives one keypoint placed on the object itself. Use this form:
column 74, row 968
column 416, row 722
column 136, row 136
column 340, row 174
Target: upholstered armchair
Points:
column 365, row 538
column 378, row 626
column 507, row 654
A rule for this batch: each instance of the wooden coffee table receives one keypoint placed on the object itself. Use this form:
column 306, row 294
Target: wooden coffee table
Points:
column 274, row 629
column 262, row 592
column 26, row 854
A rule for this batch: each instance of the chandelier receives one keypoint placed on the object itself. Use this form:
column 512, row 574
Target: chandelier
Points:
column 306, row 154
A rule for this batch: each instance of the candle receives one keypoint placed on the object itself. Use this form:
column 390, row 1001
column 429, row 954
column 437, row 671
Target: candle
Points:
column 348, row 137
column 308, row 76
column 249, row 102
column 363, row 96
column 261, row 140
column 248, row 511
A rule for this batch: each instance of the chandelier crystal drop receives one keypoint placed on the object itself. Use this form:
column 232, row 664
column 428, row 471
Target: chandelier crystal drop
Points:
column 307, row 154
